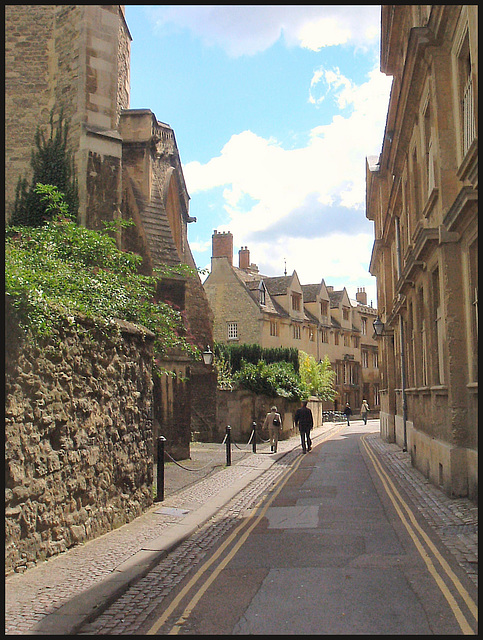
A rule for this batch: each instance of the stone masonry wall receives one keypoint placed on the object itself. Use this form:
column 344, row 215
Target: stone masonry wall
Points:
column 78, row 452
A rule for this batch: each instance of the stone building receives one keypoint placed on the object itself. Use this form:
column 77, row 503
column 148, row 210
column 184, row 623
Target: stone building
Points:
column 77, row 58
column 422, row 194
column 281, row 312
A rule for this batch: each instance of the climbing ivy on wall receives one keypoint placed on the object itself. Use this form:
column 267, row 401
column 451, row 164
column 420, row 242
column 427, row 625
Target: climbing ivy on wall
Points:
column 63, row 272
column 52, row 163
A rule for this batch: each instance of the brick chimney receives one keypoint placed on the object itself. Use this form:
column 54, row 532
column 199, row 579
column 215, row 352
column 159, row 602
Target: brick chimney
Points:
column 361, row 295
column 244, row 258
column 222, row 245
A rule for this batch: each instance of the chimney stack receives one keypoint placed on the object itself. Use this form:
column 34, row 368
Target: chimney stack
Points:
column 361, row 295
column 222, row 245
column 244, row 258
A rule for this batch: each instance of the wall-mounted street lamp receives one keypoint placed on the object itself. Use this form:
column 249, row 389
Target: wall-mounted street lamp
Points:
column 378, row 325
column 208, row 356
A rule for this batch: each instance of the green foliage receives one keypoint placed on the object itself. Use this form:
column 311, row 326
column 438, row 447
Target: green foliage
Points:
column 317, row 378
column 237, row 353
column 52, row 164
column 225, row 379
column 63, row 271
column 275, row 379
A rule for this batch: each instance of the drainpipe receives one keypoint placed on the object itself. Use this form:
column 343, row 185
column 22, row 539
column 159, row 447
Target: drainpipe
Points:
column 401, row 334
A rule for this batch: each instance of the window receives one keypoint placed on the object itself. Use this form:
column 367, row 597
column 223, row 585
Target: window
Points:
column 296, row 301
column 415, row 193
column 232, row 330
column 324, row 335
column 429, row 149
column 311, row 334
column 347, row 340
column 355, row 342
column 376, row 395
column 411, row 368
column 375, row 360
column 296, row 331
column 364, row 326
column 466, row 98
column 345, row 313
column 423, row 375
column 324, row 308
column 261, row 294
column 438, row 328
column 336, row 338
column 273, row 328
column 365, row 359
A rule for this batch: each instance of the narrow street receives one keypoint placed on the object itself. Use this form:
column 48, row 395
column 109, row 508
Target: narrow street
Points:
column 331, row 546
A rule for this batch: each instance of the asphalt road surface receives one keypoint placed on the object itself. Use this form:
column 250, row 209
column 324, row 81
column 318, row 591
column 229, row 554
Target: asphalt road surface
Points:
column 331, row 548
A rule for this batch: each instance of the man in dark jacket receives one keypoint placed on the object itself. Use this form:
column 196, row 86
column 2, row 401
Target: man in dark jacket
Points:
column 304, row 420
column 347, row 412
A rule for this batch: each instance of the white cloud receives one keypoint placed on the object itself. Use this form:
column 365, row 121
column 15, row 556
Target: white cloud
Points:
column 279, row 180
column 269, row 189
column 250, row 29
column 324, row 32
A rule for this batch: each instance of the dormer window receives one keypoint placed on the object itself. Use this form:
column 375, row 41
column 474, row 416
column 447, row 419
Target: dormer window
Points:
column 296, row 301
column 261, row 293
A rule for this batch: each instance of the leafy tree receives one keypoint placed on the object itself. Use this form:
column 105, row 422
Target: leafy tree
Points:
column 62, row 271
column 275, row 379
column 52, row 164
column 317, row 378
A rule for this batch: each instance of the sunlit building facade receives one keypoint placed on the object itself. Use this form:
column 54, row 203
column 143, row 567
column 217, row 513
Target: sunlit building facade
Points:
column 422, row 194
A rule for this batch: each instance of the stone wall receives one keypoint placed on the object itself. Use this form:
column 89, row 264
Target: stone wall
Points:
column 78, row 452
column 240, row 408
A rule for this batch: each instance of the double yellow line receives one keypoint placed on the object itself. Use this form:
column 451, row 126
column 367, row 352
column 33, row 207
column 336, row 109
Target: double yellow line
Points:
column 418, row 536
column 248, row 524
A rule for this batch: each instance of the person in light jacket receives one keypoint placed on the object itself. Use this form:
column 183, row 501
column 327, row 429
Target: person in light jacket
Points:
column 274, row 423
column 364, row 410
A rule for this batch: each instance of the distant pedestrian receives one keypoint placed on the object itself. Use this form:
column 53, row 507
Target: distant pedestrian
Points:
column 304, row 420
column 347, row 412
column 364, row 410
column 274, row 423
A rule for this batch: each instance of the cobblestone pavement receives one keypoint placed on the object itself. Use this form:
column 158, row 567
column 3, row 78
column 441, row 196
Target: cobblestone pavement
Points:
column 455, row 520
column 56, row 585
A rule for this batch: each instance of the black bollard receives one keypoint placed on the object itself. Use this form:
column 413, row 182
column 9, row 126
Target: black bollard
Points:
column 228, row 446
column 160, row 470
column 254, row 432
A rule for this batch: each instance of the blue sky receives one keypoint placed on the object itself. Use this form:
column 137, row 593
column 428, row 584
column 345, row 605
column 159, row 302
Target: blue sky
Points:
column 274, row 109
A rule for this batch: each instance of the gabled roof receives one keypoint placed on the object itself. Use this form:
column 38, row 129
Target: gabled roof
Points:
column 278, row 285
column 310, row 292
column 252, row 284
column 336, row 297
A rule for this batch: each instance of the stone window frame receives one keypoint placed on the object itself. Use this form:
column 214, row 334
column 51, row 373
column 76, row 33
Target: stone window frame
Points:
column 232, row 330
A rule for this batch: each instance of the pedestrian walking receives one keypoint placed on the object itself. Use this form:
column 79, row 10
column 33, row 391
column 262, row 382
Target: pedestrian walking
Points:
column 274, row 423
column 347, row 412
column 304, row 420
column 364, row 410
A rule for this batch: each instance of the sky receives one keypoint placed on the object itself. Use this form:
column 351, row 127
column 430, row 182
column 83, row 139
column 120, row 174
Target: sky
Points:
column 274, row 109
